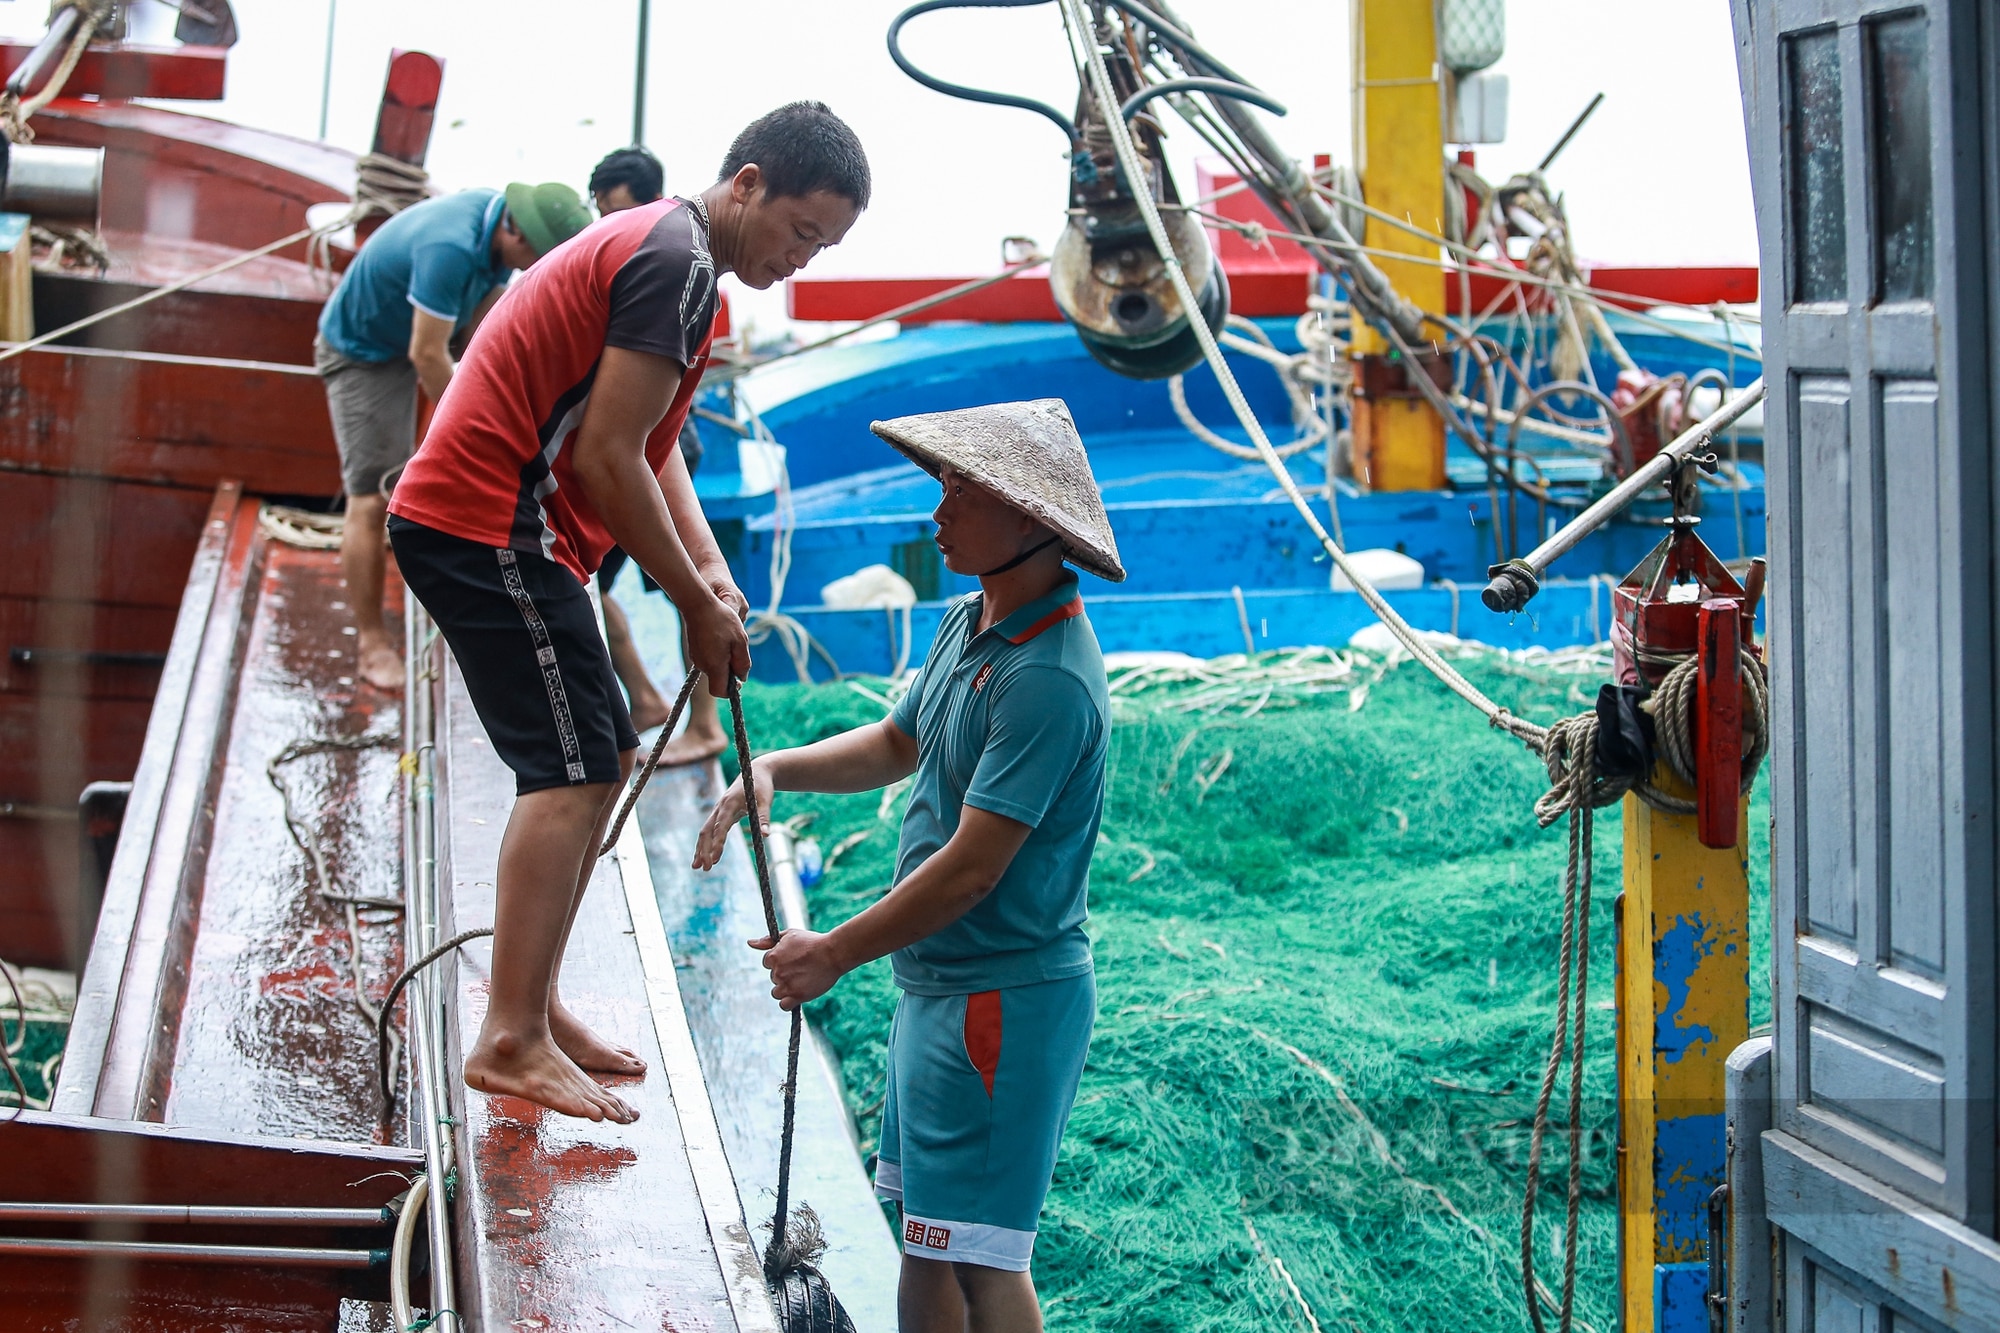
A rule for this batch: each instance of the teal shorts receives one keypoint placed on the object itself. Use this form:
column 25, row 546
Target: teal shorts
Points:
column 979, row 1090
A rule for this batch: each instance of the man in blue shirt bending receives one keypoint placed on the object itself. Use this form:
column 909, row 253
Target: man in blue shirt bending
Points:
column 1005, row 729
column 425, row 277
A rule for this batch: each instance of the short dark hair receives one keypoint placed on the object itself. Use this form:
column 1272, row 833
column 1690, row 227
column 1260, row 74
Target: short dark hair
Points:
column 635, row 168
column 802, row 147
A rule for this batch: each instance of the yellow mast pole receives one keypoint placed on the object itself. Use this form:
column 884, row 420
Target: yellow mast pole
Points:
column 1399, row 155
column 1683, row 1006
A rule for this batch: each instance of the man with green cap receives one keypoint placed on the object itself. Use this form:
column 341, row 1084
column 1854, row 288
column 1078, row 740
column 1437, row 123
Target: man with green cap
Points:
column 422, row 280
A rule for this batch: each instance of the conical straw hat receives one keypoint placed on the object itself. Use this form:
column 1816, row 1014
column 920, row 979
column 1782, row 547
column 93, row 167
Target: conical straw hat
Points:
column 1029, row 455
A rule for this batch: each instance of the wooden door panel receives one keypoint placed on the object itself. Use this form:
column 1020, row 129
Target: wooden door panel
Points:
column 1915, row 567
column 1872, row 201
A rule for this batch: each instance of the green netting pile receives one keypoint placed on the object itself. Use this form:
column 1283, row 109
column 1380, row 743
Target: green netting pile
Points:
column 34, row 1024
column 1325, row 927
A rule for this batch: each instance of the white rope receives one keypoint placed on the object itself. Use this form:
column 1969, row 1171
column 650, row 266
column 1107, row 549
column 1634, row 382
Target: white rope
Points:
column 15, row 113
column 792, row 636
column 1129, row 161
column 301, row 527
column 1292, row 368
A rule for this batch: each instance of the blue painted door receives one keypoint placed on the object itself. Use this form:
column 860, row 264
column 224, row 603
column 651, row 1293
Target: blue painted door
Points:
column 1871, row 131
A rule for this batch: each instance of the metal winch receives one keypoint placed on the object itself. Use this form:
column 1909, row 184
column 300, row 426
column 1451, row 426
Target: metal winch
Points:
column 51, row 183
column 1111, row 283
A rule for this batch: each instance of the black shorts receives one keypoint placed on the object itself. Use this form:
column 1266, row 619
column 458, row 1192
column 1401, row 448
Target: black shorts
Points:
column 528, row 646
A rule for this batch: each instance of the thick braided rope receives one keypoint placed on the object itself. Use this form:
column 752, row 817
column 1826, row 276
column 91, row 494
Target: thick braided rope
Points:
column 1576, row 789
column 1572, row 978
column 1570, row 747
column 777, row 1251
column 1674, row 712
column 651, row 766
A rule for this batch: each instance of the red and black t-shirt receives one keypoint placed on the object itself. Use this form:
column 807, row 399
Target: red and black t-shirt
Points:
column 496, row 464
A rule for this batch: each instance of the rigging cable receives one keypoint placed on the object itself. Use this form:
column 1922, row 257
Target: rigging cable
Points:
column 1128, row 156
column 960, row 90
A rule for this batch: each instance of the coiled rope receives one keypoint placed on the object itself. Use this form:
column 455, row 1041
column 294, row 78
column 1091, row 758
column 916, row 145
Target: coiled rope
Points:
column 1578, row 786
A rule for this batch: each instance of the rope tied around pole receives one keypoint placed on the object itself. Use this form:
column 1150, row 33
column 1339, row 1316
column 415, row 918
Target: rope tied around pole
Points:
column 1579, row 786
column 1569, row 747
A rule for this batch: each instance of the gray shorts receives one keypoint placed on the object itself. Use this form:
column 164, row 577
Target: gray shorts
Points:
column 374, row 407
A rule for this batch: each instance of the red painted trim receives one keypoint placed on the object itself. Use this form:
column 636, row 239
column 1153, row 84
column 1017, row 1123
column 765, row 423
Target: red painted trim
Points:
column 982, row 1035
column 182, row 73
column 1259, row 285
column 1256, row 289
column 1068, row 611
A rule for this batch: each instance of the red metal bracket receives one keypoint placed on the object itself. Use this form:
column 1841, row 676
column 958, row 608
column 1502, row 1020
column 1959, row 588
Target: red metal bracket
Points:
column 1718, row 784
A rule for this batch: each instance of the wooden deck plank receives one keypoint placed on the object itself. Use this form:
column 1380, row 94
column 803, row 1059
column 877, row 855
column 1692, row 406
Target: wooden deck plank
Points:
column 742, row 1035
column 270, row 1040
column 573, row 1224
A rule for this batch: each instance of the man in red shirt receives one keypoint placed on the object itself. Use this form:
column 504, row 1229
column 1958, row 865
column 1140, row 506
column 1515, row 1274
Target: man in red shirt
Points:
column 557, row 439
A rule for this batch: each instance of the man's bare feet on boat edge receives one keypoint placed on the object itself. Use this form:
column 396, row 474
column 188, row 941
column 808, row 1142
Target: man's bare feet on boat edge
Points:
column 589, row 1051
column 692, row 747
column 381, row 665
column 535, row 1070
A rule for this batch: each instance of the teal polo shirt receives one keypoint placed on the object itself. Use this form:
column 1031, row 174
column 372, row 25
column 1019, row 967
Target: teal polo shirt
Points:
column 436, row 256
column 1017, row 721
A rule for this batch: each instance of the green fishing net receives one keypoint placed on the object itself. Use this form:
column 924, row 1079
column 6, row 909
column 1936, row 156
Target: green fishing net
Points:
column 34, row 1023
column 1326, row 930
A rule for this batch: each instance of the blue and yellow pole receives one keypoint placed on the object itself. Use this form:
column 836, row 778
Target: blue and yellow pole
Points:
column 1683, row 1006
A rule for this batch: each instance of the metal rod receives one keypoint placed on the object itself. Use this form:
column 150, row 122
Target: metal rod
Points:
column 61, row 28
column 1569, row 134
column 195, row 1214
column 267, row 1256
column 1518, row 580
column 326, row 73
column 639, row 74
column 426, row 1008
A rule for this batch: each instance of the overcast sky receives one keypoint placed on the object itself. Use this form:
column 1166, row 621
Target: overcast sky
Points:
column 539, row 89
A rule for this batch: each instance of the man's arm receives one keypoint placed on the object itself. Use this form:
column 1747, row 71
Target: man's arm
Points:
column 804, row 965
column 628, row 398
column 695, row 534
column 859, row 760
column 479, row 313
column 430, row 353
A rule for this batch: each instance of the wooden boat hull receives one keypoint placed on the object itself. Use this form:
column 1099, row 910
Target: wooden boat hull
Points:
column 111, row 450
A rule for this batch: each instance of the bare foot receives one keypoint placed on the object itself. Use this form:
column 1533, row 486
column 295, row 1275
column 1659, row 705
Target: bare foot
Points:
column 508, row 1065
column 649, row 710
column 691, row 747
column 586, row 1048
column 381, row 664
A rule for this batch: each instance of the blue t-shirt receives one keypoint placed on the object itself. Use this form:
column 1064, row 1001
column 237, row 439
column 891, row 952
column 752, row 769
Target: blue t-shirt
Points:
column 1015, row 721
column 436, row 256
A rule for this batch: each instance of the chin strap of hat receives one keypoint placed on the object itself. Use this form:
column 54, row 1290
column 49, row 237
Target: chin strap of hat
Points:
column 1022, row 558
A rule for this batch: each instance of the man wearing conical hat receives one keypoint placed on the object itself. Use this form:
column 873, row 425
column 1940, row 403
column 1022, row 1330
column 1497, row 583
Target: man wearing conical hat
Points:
column 1004, row 732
